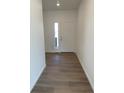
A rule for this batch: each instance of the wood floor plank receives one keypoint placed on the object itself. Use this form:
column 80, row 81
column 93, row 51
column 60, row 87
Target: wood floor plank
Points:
column 63, row 74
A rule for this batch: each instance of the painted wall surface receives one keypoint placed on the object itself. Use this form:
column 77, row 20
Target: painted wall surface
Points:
column 85, row 38
column 37, row 51
column 67, row 20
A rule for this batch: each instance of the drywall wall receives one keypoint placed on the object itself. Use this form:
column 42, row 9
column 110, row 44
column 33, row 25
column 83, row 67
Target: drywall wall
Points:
column 37, row 51
column 67, row 20
column 85, row 38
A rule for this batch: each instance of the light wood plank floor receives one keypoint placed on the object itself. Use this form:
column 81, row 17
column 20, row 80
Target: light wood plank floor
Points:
column 63, row 74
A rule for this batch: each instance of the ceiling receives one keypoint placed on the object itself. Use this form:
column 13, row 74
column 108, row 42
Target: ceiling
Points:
column 64, row 4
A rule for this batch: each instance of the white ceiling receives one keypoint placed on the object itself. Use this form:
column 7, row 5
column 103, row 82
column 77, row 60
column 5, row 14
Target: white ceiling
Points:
column 64, row 4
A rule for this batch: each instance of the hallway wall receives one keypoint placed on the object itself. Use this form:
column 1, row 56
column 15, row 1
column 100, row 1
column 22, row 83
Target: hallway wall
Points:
column 85, row 38
column 67, row 30
column 37, row 50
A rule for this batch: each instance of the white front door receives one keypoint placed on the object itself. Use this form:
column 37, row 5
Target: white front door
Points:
column 68, row 37
column 59, row 36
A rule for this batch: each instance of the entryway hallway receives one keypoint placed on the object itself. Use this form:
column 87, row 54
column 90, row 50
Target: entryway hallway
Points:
column 63, row 74
column 62, row 46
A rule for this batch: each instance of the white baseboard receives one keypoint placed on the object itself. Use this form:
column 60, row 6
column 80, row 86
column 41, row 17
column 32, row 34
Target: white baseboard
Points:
column 88, row 76
column 84, row 67
column 43, row 67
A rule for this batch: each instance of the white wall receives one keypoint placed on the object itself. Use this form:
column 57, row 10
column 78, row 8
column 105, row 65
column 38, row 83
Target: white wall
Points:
column 37, row 53
column 85, row 38
column 67, row 20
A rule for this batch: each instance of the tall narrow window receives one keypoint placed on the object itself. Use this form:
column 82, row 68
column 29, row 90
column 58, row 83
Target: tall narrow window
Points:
column 56, row 34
